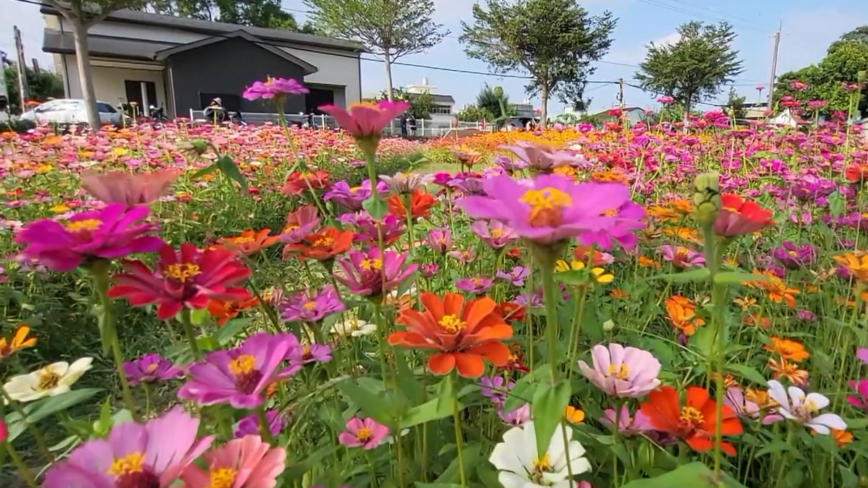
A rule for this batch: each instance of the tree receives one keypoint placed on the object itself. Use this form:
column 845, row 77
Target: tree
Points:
column 390, row 29
column 695, row 67
column 859, row 34
column 473, row 113
column 495, row 101
column 553, row 41
column 421, row 104
column 735, row 105
column 43, row 85
column 257, row 13
column 81, row 15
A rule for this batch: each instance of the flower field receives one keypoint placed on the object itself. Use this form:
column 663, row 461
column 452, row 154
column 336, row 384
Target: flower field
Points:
column 240, row 307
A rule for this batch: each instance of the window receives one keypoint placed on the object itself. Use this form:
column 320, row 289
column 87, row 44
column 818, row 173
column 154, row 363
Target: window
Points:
column 105, row 108
column 144, row 93
column 441, row 109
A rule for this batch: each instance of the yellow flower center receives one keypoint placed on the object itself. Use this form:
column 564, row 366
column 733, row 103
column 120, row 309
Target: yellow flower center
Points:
column 183, row 271
column 309, row 305
column 369, row 264
column 244, row 363
column 544, row 464
column 48, row 380
column 290, row 227
column 151, row 368
column 324, row 242
column 452, row 324
column 691, row 415
column 496, row 232
column 131, row 463
column 222, row 478
column 612, row 212
column 86, row 225
column 364, row 434
column 546, row 206
column 620, row 371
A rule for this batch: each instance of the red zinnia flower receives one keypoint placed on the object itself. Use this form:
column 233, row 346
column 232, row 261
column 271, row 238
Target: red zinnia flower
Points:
column 695, row 422
column 510, row 311
column 323, row 245
column 297, row 183
column 738, row 217
column 187, row 278
column 463, row 332
column 856, row 172
column 420, row 205
column 224, row 310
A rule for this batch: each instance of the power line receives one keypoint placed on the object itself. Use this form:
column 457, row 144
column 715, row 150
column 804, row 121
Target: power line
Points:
column 700, row 7
column 683, row 10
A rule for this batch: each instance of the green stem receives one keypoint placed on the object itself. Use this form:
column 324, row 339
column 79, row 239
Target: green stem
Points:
column 615, row 433
column 459, row 437
column 264, row 428
column 187, row 322
column 22, row 468
column 713, row 255
column 147, row 389
column 576, row 331
column 550, row 298
column 102, row 282
column 41, row 442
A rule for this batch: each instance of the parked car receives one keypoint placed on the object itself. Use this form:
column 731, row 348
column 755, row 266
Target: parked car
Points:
column 70, row 111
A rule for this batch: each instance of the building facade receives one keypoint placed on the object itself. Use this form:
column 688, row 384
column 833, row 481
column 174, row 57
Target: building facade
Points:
column 182, row 64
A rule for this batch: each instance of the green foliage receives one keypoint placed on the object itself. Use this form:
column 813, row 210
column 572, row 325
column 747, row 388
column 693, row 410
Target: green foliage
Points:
column 16, row 125
column 695, row 67
column 495, row 101
column 421, row 104
column 472, row 113
column 257, row 13
column 42, row 85
column 735, row 105
column 842, row 64
column 553, row 41
column 859, row 34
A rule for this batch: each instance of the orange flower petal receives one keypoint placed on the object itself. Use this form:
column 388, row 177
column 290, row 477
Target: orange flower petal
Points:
column 442, row 363
column 469, row 365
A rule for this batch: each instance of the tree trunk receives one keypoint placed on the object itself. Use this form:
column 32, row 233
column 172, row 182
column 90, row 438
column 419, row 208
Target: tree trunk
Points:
column 686, row 120
column 544, row 109
column 389, row 88
column 82, row 59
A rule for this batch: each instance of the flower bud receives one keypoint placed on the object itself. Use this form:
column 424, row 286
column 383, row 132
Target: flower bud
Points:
column 706, row 198
column 608, row 325
column 194, row 146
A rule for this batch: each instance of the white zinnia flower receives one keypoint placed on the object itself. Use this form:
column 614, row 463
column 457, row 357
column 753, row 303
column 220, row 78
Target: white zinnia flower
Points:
column 354, row 327
column 516, row 459
column 52, row 380
column 804, row 408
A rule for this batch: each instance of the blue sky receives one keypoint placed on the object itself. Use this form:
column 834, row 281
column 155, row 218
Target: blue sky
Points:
column 808, row 29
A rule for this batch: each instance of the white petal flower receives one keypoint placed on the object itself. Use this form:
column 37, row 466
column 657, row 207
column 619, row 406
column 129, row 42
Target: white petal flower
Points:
column 520, row 467
column 354, row 327
column 803, row 408
column 52, row 380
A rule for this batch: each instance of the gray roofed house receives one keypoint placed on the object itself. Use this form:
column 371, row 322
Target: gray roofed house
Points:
column 181, row 64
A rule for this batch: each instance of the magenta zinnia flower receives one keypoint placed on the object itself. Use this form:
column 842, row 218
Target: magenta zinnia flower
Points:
column 299, row 223
column 516, row 276
column 493, row 233
column 476, row 286
column 372, row 272
column 353, row 197
column 366, row 121
column 249, row 425
column 247, row 462
column 628, row 425
column 150, row 368
column 625, row 372
column 440, row 240
column 311, row 307
column 309, row 353
column 861, row 388
column 364, row 433
column 133, row 455
column 274, row 88
column 552, row 208
column 628, row 218
column 680, row 256
column 794, row 256
column 113, row 232
column 540, row 158
column 188, row 278
column 240, row 376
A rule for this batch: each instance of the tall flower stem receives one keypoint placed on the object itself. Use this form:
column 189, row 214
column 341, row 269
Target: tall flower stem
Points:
column 187, row 322
column 20, row 466
column 459, row 436
column 41, row 442
column 102, row 281
column 546, row 258
column 576, row 330
column 264, row 428
column 713, row 255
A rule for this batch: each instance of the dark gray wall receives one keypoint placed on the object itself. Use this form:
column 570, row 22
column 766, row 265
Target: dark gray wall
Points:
column 229, row 66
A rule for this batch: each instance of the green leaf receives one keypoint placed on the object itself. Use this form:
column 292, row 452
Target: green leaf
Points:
column 702, row 341
column 428, row 411
column 837, row 204
column 205, row 171
column 199, row 316
column 521, row 392
column 297, row 471
column 747, row 373
column 407, row 381
column 693, row 475
column 376, row 207
column 453, row 472
column 43, row 408
column 573, row 277
column 231, row 329
column 692, row 276
column 228, row 167
column 775, row 447
column 737, row 277
column 370, row 403
column 549, row 403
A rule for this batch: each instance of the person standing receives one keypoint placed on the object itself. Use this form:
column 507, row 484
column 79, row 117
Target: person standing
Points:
column 411, row 124
column 403, row 120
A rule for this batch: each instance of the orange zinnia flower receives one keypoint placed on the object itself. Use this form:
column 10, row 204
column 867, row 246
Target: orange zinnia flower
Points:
column 618, row 293
column 462, row 332
column 682, row 314
column 757, row 320
column 18, row 342
column 686, row 233
column 224, row 310
column 791, row 371
column 510, row 311
column 323, row 245
column 842, row 437
column 580, row 253
column 663, row 214
column 695, row 422
column 249, row 242
column 777, row 290
column 647, row 262
column 297, row 183
column 420, row 205
column 855, row 264
column 787, row 349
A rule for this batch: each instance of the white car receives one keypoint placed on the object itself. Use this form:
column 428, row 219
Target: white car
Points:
column 70, row 111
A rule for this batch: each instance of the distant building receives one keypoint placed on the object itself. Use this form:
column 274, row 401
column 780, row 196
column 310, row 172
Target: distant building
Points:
column 633, row 114
column 442, row 113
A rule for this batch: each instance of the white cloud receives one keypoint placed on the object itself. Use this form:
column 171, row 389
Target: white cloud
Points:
column 668, row 39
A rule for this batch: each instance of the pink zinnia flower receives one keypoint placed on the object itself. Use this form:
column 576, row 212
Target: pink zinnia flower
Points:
column 305, row 306
column 247, row 462
column 493, row 233
column 274, row 88
column 352, row 198
column 476, row 286
column 366, row 121
column 680, row 256
column 366, row 433
column 540, row 158
column 551, row 208
column 249, row 425
column 128, row 188
column 628, row 425
column 440, row 240
column 150, row 368
column 187, row 278
column 113, row 232
column 372, row 272
column 628, row 218
column 625, row 372
column 133, row 455
column 861, row 388
column 240, row 376
column 299, row 223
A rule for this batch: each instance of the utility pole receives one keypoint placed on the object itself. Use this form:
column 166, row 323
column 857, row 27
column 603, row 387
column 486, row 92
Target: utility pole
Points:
column 777, row 37
column 621, row 93
column 22, row 69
